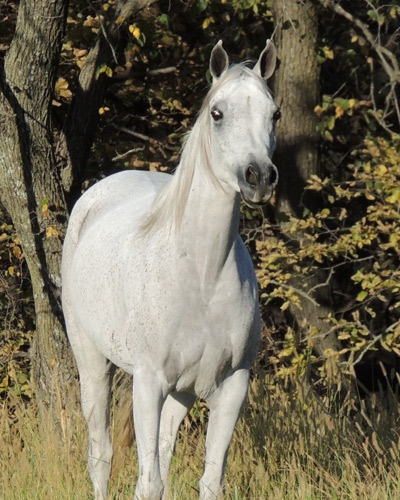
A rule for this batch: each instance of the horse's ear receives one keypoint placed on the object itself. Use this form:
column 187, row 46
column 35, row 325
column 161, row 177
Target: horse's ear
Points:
column 219, row 61
column 266, row 63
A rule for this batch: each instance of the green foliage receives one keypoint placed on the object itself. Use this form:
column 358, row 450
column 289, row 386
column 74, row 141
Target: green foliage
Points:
column 347, row 249
column 16, row 311
column 15, row 365
column 16, row 297
column 355, row 239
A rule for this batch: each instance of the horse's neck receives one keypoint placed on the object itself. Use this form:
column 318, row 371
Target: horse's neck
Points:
column 209, row 226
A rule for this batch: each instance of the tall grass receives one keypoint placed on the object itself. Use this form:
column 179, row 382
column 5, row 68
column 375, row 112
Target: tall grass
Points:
column 289, row 445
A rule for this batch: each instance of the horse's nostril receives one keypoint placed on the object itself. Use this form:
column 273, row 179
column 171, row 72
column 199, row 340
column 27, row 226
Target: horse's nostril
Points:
column 252, row 175
column 273, row 175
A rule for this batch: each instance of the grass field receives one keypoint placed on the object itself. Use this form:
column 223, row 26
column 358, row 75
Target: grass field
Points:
column 287, row 445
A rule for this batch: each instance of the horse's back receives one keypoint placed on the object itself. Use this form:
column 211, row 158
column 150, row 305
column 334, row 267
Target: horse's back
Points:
column 124, row 188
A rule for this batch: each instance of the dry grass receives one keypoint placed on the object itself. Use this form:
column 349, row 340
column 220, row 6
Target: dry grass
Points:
column 288, row 445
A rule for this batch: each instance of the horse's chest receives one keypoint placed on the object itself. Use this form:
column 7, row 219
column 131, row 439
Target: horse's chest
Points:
column 205, row 332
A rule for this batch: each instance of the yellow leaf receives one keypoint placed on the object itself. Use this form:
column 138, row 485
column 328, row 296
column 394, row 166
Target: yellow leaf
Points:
column 61, row 89
column 45, row 209
column 103, row 110
column 103, row 68
column 394, row 197
column 51, row 232
column 285, row 305
column 80, row 53
column 135, row 31
column 318, row 110
column 91, row 21
column 381, row 169
column 325, row 212
column 362, row 295
column 207, row 22
column 338, row 111
column 286, row 352
column 328, row 52
column 17, row 252
column 67, row 45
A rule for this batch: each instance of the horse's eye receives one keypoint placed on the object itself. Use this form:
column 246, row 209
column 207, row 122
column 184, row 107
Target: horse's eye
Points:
column 216, row 114
column 277, row 115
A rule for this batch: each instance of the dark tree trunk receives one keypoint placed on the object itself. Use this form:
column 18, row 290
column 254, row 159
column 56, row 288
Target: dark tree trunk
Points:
column 29, row 186
column 296, row 85
column 31, row 165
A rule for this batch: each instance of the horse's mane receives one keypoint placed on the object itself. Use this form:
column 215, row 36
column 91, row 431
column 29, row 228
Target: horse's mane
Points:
column 169, row 206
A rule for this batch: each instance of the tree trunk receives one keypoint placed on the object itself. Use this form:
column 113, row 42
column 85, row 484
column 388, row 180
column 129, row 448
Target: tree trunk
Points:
column 30, row 188
column 296, row 85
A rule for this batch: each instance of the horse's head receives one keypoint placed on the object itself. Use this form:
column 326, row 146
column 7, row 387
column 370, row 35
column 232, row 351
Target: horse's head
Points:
column 242, row 115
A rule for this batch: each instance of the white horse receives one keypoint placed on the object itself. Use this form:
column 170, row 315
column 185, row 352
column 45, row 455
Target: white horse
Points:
column 157, row 281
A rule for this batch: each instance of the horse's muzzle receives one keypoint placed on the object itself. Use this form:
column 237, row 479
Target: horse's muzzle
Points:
column 258, row 183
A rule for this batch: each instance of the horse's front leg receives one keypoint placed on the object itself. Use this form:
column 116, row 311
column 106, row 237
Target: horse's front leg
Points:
column 148, row 399
column 174, row 410
column 225, row 405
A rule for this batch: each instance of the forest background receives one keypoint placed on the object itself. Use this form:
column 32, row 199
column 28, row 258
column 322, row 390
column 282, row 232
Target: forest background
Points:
column 116, row 85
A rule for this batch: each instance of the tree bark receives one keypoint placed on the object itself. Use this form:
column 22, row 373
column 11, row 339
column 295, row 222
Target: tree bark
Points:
column 296, row 85
column 31, row 164
column 29, row 186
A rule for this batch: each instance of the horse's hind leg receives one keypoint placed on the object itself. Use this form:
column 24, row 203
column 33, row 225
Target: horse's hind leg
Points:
column 95, row 374
column 174, row 410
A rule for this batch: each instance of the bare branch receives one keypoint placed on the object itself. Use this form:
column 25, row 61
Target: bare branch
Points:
column 138, row 135
column 161, row 71
column 387, row 59
column 296, row 290
column 127, row 153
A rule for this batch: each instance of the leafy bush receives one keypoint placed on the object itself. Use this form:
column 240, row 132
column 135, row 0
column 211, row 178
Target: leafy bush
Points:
column 355, row 241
